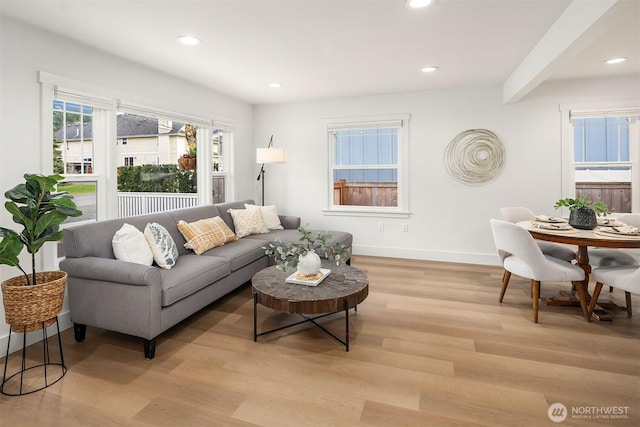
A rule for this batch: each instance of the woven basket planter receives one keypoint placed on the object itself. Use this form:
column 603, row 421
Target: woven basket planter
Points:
column 32, row 306
column 187, row 163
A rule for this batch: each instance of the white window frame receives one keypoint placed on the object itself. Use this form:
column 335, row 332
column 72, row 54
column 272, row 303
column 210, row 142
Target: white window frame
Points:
column 608, row 109
column 401, row 121
column 56, row 87
column 105, row 154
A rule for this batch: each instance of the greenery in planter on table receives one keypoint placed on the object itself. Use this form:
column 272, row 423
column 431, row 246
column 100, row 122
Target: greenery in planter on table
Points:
column 287, row 254
column 599, row 207
column 36, row 206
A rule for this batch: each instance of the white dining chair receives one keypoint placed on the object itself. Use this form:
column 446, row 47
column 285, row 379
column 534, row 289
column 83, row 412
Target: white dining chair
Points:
column 604, row 257
column 520, row 255
column 516, row 214
column 626, row 278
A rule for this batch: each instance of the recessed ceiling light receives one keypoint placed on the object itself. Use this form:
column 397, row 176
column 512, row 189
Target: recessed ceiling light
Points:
column 189, row 40
column 615, row 60
column 274, row 85
column 429, row 69
column 417, row 4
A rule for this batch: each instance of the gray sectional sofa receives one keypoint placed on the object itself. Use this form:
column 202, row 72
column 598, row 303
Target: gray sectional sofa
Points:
column 145, row 301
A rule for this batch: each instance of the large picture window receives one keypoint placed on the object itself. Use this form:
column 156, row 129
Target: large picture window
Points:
column 124, row 160
column 368, row 166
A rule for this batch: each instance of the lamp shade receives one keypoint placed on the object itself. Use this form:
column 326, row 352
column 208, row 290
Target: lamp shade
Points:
column 271, row 155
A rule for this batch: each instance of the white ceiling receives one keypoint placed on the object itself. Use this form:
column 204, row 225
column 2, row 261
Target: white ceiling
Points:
column 332, row 48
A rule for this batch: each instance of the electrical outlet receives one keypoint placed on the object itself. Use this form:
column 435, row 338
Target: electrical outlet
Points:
column 404, row 227
column 380, row 226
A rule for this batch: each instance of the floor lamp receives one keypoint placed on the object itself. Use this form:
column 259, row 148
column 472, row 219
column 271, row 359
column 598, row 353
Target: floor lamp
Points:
column 269, row 155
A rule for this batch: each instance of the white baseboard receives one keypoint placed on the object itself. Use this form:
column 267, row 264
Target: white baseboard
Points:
column 427, row 255
column 64, row 320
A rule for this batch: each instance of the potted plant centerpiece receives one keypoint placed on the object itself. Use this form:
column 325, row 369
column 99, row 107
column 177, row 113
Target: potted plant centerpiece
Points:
column 33, row 300
column 583, row 211
column 301, row 255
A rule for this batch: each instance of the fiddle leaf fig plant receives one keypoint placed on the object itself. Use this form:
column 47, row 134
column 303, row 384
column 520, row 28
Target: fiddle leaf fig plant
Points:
column 41, row 210
column 287, row 254
column 599, row 207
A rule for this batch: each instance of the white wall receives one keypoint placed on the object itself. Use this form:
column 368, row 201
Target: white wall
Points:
column 24, row 51
column 449, row 220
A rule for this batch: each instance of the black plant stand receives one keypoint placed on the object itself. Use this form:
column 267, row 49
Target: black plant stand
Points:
column 51, row 375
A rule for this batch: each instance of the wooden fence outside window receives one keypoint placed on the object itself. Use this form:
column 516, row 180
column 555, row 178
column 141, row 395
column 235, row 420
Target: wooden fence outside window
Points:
column 617, row 195
column 358, row 193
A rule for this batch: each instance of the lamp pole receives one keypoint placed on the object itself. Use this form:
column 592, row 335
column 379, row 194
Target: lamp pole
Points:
column 261, row 174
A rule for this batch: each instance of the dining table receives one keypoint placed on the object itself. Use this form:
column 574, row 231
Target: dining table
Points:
column 601, row 237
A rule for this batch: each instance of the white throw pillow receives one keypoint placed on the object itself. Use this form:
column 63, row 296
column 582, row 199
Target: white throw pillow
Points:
column 269, row 216
column 129, row 244
column 164, row 249
column 247, row 221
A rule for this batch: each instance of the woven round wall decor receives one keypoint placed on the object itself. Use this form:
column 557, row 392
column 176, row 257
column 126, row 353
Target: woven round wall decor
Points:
column 474, row 156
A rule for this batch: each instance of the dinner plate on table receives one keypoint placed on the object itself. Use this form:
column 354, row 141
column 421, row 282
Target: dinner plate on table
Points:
column 555, row 227
column 603, row 222
column 621, row 231
column 550, row 219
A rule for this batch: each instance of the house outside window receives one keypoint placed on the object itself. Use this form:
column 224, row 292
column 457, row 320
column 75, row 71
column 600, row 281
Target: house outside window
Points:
column 368, row 166
column 128, row 161
column 73, row 139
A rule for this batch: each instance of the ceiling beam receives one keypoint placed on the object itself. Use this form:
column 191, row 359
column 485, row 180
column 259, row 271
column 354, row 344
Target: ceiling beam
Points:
column 565, row 36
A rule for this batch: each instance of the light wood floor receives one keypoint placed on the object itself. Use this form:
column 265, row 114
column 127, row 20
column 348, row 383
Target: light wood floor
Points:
column 431, row 346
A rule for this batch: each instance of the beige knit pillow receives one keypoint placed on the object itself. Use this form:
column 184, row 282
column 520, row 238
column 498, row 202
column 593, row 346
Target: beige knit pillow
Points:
column 269, row 216
column 248, row 221
column 206, row 234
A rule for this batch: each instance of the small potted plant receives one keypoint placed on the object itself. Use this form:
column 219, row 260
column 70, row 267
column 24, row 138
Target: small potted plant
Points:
column 583, row 211
column 301, row 255
column 30, row 300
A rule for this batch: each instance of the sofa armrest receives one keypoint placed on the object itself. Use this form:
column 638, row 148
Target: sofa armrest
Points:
column 111, row 270
column 289, row 222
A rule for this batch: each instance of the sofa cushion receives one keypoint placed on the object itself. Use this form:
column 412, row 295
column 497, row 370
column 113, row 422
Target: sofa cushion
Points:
column 205, row 234
column 194, row 213
column 94, row 238
column 129, row 244
column 269, row 216
column 164, row 249
column 247, row 222
column 240, row 252
column 191, row 273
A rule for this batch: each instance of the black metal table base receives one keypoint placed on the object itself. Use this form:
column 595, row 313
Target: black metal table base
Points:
column 344, row 342
column 46, row 365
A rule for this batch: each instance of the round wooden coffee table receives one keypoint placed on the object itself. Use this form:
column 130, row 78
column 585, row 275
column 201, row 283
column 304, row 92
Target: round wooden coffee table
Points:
column 344, row 288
